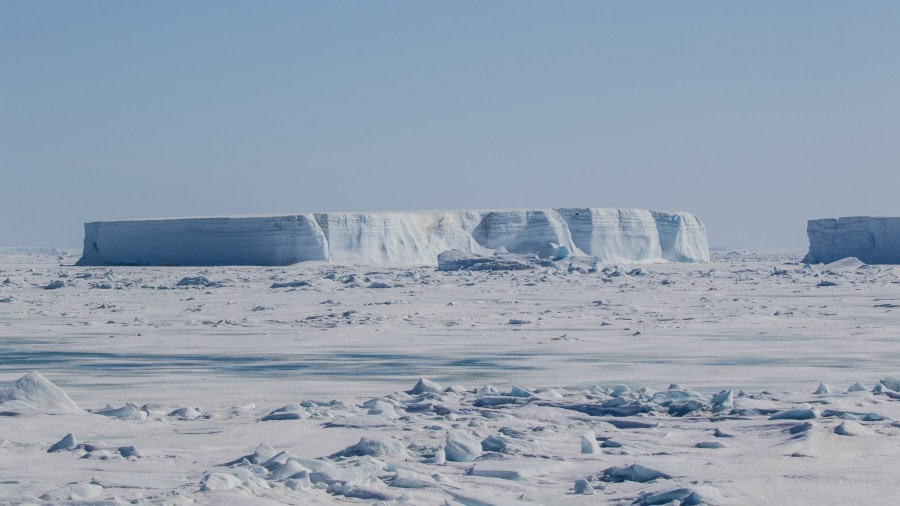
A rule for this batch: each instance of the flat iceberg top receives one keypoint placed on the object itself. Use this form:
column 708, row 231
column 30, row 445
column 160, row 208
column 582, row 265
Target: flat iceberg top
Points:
column 387, row 212
column 397, row 238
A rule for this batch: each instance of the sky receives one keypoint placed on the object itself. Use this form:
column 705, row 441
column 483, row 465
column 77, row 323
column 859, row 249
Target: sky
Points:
column 756, row 116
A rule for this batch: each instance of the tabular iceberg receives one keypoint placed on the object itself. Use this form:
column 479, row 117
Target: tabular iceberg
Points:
column 874, row 240
column 397, row 238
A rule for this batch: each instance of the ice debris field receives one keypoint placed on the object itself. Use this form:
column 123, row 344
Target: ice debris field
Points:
column 751, row 379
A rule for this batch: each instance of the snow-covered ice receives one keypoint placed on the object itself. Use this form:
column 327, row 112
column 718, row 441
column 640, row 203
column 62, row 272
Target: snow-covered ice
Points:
column 33, row 392
column 739, row 381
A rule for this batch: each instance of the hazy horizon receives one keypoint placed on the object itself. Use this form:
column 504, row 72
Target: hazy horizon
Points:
column 756, row 117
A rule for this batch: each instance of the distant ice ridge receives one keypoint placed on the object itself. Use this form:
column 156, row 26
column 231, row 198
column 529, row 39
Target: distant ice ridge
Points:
column 28, row 250
column 397, row 238
column 874, row 240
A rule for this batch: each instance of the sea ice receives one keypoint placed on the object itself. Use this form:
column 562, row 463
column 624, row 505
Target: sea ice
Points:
column 851, row 428
column 74, row 492
column 68, row 442
column 795, row 414
column 424, row 386
column 634, row 472
column 514, row 469
column 38, row 393
column 461, row 447
column 589, row 443
column 374, row 447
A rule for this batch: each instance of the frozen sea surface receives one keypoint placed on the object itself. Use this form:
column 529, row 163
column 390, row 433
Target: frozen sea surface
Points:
column 221, row 348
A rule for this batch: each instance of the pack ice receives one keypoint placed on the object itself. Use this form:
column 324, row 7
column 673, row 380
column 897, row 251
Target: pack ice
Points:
column 398, row 238
column 874, row 240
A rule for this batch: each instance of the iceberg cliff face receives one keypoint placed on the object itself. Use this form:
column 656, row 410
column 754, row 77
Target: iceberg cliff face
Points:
column 397, row 238
column 273, row 240
column 874, row 240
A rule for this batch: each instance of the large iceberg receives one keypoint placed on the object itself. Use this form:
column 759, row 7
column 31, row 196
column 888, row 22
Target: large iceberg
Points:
column 397, row 238
column 874, row 240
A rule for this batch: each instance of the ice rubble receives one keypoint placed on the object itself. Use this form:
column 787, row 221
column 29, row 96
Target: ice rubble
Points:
column 444, row 444
column 410, row 238
column 873, row 240
column 518, row 446
column 93, row 450
column 74, row 492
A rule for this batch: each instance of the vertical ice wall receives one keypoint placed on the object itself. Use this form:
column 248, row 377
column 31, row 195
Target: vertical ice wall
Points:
column 614, row 235
column 874, row 240
column 398, row 238
column 274, row 240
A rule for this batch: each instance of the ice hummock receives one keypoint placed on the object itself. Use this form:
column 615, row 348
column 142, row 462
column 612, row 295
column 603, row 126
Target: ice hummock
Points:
column 34, row 392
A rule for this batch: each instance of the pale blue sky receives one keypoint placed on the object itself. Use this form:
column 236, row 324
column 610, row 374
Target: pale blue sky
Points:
column 756, row 115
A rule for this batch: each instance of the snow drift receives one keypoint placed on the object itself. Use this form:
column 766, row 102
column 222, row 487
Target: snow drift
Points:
column 397, row 238
column 874, row 240
column 34, row 392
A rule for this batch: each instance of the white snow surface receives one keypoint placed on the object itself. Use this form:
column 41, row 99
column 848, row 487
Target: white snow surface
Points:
column 397, row 238
column 873, row 240
column 35, row 392
column 741, row 381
